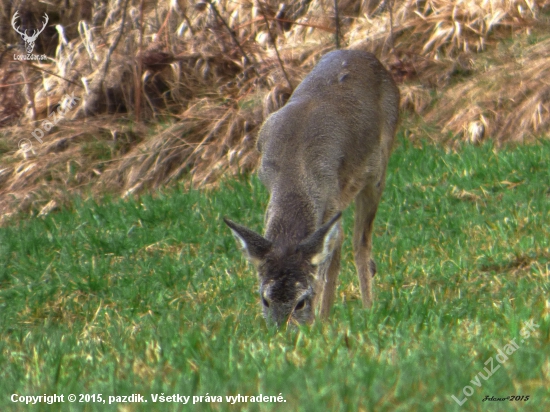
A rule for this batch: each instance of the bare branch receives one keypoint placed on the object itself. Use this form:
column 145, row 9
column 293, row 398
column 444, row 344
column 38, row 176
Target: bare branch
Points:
column 272, row 38
column 390, row 5
column 247, row 60
column 137, row 84
column 115, row 43
column 337, row 24
column 52, row 74
column 315, row 26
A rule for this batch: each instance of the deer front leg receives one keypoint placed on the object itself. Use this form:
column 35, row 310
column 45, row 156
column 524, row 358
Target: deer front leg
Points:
column 366, row 205
column 331, row 276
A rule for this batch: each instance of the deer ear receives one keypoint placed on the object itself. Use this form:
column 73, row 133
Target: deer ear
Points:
column 319, row 245
column 255, row 246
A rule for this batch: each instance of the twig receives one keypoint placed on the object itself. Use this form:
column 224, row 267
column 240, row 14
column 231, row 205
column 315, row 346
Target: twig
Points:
column 232, row 34
column 98, row 81
column 315, row 26
column 164, row 23
column 390, row 4
column 137, row 84
column 29, row 91
column 52, row 74
column 188, row 23
column 12, row 84
column 337, row 24
column 115, row 43
column 272, row 38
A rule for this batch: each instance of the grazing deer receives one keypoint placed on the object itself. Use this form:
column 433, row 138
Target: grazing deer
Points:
column 327, row 146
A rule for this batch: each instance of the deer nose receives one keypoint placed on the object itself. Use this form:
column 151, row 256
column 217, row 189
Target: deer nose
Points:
column 285, row 322
column 278, row 319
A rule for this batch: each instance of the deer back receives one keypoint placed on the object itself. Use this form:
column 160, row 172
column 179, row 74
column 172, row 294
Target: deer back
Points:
column 328, row 140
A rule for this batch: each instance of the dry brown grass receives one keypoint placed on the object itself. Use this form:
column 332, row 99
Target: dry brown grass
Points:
column 202, row 91
column 510, row 101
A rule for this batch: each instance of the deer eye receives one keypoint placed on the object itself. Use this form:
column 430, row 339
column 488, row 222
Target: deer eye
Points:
column 300, row 305
column 265, row 302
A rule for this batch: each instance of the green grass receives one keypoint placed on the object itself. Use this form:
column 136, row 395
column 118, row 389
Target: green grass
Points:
column 152, row 296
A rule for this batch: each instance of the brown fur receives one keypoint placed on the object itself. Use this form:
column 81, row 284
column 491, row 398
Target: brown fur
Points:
column 327, row 146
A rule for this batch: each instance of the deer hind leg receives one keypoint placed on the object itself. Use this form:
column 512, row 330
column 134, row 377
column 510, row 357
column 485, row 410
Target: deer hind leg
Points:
column 331, row 276
column 366, row 205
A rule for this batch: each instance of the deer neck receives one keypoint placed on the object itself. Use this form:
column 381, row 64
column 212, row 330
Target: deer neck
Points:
column 290, row 218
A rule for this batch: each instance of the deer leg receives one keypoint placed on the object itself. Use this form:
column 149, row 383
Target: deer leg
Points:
column 331, row 276
column 366, row 205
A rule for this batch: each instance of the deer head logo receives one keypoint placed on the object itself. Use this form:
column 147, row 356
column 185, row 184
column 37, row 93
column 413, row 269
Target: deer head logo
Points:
column 29, row 40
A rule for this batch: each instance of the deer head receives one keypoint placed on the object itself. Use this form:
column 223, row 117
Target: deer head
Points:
column 29, row 40
column 290, row 281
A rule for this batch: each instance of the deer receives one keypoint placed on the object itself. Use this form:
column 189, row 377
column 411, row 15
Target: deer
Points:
column 29, row 40
column 328, row 146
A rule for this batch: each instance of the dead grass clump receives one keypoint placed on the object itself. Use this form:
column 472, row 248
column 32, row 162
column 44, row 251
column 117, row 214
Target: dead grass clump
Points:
column 442, row 28
column 483, row 107
column 169, row 88
column 210, row 139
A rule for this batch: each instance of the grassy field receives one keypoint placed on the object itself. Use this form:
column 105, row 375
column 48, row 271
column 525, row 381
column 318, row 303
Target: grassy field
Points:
column 152, row 297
